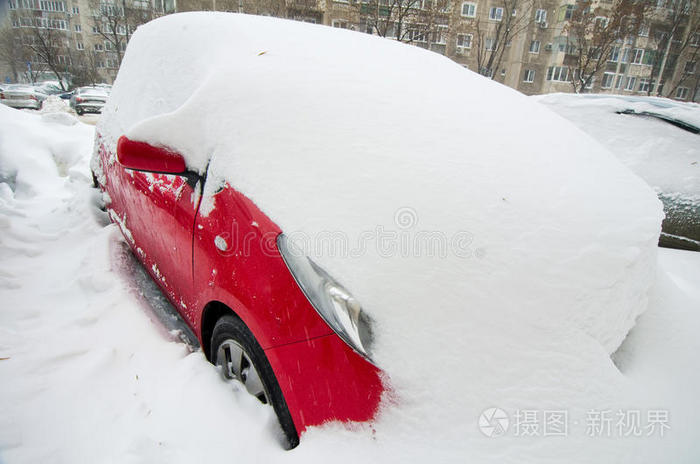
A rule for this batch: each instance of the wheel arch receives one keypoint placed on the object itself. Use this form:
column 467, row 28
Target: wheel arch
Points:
column 213, row 311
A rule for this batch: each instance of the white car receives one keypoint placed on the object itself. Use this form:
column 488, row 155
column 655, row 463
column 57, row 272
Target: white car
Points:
column 22, row 96
column 89, row 99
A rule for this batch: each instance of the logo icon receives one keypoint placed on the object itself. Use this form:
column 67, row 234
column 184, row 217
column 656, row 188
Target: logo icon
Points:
column 493, row 422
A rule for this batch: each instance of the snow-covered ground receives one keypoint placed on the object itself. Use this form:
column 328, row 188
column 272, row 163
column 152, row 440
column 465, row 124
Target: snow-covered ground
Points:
column 90, row 370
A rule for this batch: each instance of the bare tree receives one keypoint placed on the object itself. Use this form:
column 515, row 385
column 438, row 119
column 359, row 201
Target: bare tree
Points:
column 84, row 69
column 114, row 21
column 491, row 39
column 676, row 32
column 431, row 22
column 276, row 8
column 49, row 48
column 391, row 18
column 594, row 32
column 12, row 52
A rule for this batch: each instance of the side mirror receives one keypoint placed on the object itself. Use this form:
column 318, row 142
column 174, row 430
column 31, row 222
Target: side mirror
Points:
column 141, row 156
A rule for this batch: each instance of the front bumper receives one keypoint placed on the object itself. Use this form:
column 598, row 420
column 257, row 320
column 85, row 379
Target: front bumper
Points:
column 323, row 380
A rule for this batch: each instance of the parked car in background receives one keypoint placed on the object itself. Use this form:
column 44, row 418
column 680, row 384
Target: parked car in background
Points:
column 657, row 138
column 22, row 96
column 50, row 87
column 88, row 99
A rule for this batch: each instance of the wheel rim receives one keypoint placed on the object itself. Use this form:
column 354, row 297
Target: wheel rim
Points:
column 235, row 364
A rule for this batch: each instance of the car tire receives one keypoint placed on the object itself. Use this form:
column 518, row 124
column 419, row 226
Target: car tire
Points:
column 238, row 354
column 80, row 112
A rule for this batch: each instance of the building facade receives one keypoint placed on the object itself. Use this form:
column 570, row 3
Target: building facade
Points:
column 529, row 45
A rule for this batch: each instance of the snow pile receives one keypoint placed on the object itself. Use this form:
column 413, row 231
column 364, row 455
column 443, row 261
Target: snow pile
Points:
column 54, row 105
column 86, row 377
column 20, row 172
column 665, row 156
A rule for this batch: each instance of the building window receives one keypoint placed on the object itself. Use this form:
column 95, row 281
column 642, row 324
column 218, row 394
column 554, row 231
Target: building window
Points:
column 645, row 85
column 98, row 47
column 644, row 30
column 614, row 54
column 529, row 76
column 79, row 46
column 464, row 40
column 618, row 82
column 440, row 35
column 78, row 28
column 541, row 16
column 695, row 40
column 630, row 83
column 625, row 55
column 682, row 93
column 558, row 73
column 689, row 67
column 638, row 56
column 569, row 12
column 339, row 23
column 607, row 82
column 496, row 14
column 76, row 10
column 535, row 46
column 95, row 30
column 601, row 22
column 491, row 44
column 469, row 10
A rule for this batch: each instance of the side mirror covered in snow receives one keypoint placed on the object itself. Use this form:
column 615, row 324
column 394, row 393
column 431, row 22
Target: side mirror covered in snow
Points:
column 141, row 156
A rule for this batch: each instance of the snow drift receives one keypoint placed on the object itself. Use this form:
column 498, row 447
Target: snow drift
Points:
column 541, row 247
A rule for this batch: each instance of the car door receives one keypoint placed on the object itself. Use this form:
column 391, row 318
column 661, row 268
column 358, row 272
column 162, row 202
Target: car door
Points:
column 156, row 213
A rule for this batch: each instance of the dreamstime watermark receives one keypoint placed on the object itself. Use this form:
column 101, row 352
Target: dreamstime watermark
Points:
column 403, row 238
column 495, row 422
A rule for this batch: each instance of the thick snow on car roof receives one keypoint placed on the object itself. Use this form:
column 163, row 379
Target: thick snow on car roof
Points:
column 489, row 239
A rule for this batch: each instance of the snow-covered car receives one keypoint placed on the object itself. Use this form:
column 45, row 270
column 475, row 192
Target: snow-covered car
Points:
column 657, row 138
column 49, row 87
column 338, row 217
column 88, row 99
column 22, row 96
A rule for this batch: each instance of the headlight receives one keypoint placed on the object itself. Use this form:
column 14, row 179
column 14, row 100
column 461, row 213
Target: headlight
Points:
column 341, row 311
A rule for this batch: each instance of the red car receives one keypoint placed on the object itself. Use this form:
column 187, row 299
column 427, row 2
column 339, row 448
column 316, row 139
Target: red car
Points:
column 269, row 317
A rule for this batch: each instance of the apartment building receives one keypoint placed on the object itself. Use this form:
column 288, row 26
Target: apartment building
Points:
column 525, row 44
column 68, row 37
column 538, row 54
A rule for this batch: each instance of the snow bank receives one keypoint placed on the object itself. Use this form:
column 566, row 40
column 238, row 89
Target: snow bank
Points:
column 665, row 156
column 46, row 134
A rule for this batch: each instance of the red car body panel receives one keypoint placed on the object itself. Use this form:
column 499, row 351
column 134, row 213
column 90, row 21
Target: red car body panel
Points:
column 230, row 256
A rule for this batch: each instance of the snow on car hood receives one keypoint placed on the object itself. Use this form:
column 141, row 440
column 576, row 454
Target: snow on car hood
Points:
column 502, row 253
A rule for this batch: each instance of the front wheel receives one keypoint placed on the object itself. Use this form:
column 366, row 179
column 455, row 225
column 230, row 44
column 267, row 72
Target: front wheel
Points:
column 237, row 353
